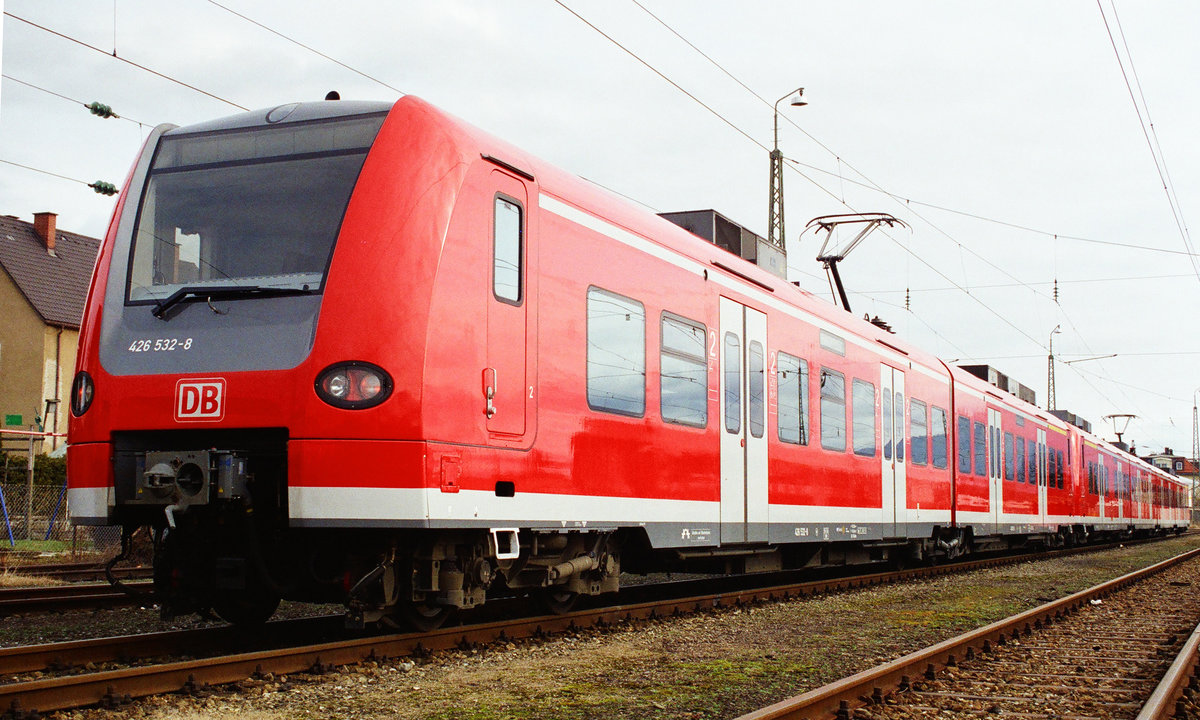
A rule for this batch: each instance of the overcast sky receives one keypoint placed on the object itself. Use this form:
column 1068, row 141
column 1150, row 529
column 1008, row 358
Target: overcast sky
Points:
column 1013, row 111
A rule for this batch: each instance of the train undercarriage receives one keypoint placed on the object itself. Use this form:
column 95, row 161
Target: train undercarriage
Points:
column 222, row 545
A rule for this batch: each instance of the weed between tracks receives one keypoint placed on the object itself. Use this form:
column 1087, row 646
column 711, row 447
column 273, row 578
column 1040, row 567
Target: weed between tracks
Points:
column 702, row 667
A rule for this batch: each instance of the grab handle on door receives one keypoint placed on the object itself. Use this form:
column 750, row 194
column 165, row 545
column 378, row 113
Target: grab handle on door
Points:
column 489, row 391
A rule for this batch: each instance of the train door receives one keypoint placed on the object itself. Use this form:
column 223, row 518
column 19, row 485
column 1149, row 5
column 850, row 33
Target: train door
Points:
column 995, row 466
column 895, row 496
column 1043, row 481
column 743, row 423
column 507, row 390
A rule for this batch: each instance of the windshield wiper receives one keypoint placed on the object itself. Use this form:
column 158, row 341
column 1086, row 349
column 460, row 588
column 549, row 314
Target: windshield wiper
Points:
column 222, row 292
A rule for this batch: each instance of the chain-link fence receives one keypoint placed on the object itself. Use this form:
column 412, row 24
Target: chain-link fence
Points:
column 35, row 522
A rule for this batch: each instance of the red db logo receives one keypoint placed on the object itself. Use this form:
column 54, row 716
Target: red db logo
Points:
column 200, row 399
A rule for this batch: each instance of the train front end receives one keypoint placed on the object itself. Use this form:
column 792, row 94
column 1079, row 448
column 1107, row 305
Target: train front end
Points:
column 215, row 348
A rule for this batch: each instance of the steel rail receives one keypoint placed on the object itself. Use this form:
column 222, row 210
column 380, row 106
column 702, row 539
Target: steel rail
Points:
column 1162, row 702
column 872, row 686
column 114, row 686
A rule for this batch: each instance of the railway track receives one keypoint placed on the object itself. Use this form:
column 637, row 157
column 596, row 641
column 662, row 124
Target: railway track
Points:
column 1100, row 653
column 56, row 598
column 294, row 648
column 74, row 572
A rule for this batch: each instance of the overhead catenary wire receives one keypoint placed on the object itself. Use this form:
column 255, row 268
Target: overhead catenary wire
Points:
column 127, row 61
column 68, row 99
column 1143, row 113
column 795, row 167
column 309, row 48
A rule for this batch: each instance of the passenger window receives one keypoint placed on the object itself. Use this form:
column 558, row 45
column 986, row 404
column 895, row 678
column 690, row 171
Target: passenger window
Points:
column 1032, row 463
column 864, row 418
column 886, row 413
column 683, row 372
column 792, row 373
column 981, row 450
column 938, row 430
column 1053, row 468
column 1059, row 474
column 616, row 353
column 898, row 430
column 1020, row 459
column 758, row 396
column 833, row 410
column 918, row 430
column 1008, row 456
column 506, row 251
column 964, row 445
column 733, row 383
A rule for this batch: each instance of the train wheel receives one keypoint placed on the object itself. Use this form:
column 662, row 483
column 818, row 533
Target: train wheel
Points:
column 246, row 610
column 424, row 617
column 556, row 600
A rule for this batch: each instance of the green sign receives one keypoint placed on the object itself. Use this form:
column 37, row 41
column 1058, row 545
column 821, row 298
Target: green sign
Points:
column 13, row 420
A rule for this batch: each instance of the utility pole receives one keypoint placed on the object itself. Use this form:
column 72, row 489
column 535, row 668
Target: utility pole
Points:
column 775, row 234
column 1195, row 451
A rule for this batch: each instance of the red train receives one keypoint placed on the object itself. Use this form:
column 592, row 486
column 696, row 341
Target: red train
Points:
column 366, row 353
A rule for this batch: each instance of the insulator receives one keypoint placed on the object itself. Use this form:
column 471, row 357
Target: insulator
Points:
column 99, row 109
column 103, row 188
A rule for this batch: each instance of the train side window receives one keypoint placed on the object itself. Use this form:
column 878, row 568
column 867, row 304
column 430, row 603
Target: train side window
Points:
column 898, row 431
column 758, row 395
column 506, row 251
column 1008, row 456
column 1020, row 459
column 1033, row 462
column 733, row 384
column 918, row 433
column 792, row 373
column 981, row 450
column 833, row 410
column 938, row 430
column 616, row 353
column 683, row 372
column 1053, row 467
column 1059, row 475
column 964, row 445
column 864, row 418
column 885, row 413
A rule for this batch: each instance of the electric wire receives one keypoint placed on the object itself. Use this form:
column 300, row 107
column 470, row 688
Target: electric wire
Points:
column 68, row 99
column 796, row 169
column 114, row 56
column 309, row 48
column 1159, row 160
column 44, row 172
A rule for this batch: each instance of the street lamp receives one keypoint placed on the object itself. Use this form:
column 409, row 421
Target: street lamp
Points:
column 1050, row 370
column 775, row 234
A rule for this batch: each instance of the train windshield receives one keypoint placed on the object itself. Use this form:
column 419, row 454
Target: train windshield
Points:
column 257, row 208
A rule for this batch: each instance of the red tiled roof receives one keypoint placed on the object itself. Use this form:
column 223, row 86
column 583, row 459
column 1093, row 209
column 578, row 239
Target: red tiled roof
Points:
column 55, row 285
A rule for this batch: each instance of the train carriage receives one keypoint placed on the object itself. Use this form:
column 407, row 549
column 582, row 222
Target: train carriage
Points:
column 368, row 353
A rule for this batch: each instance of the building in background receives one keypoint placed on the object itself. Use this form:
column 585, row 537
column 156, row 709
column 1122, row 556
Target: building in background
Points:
column 44, row 276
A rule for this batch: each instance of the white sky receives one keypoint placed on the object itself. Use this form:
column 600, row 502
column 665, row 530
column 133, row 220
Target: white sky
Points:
column 1014, row 110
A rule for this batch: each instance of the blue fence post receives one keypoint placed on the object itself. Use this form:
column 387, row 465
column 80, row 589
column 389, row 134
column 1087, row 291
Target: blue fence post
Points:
column 54, row 515
column 7, row 523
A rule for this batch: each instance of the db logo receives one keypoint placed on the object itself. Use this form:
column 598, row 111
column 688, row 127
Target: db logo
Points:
column 202, row 399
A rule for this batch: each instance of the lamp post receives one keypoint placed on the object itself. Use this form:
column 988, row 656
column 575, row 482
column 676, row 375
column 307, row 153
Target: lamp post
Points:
column 775, row 234
column 1050, row 370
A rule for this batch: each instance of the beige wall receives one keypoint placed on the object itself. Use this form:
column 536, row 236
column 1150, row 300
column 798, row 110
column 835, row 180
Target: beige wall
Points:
column 27, row 361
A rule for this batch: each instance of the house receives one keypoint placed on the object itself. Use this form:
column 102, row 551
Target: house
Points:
column 44, row 276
